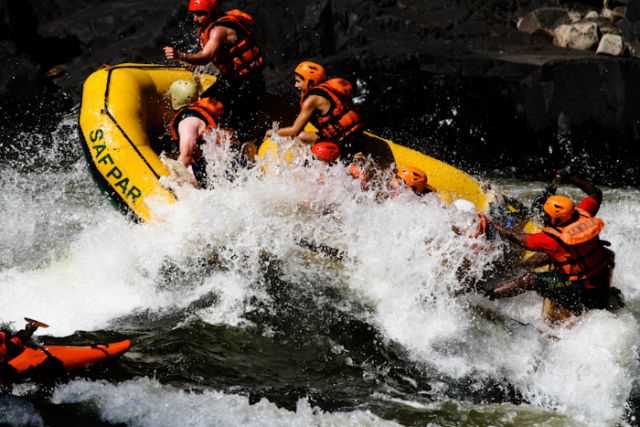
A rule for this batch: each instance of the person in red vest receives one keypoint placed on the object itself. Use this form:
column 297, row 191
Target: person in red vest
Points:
column 11, row 345
column 581, row 279
column 194, row 119
column 227, row 41
column 327, row 104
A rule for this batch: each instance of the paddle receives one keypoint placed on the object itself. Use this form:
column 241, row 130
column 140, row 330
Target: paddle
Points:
column 36, row 323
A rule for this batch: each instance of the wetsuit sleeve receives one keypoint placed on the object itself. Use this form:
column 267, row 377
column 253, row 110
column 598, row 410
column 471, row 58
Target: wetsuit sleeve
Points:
column 540, row 242
column 589, row 204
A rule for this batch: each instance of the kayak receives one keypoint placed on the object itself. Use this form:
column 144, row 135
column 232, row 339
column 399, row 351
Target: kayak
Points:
column 56, row 359
column 450, row 183
column 122, row 116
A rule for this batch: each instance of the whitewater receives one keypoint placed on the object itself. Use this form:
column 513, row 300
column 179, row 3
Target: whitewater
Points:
column 236, row 321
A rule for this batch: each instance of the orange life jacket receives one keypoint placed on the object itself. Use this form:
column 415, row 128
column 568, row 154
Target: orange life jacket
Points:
column 584, row 255
column 341, row 120
column 244, row 56
column 207, row 109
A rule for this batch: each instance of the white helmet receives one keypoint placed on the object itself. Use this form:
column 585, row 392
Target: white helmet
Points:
column 182, row 93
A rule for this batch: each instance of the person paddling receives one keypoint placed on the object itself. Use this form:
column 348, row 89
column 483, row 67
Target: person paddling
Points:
column 11, row 345
column 581, row 279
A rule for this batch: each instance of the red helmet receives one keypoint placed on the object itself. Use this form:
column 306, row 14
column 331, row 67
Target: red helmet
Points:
column 312, row 73
column 326, row 151
column 207, row 6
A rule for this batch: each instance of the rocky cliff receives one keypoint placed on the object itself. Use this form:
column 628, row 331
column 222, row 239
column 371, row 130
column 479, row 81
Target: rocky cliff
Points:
column 453, row 78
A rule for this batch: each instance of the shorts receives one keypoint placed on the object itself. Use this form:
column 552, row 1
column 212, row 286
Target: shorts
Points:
column 571, row 295
column 242, row 100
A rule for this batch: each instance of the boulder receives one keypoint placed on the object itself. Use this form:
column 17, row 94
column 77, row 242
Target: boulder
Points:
column 611, row 44
column 583, row 36
column 592, row 14
column 547, row 19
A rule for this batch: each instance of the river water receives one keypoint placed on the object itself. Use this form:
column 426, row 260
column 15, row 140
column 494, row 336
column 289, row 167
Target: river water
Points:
column 295, row 299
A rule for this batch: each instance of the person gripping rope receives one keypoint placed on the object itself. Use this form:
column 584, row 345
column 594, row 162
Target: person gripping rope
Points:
column 581, row 279
column 227, row 41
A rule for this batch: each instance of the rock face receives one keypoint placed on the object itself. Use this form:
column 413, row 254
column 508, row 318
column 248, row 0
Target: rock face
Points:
column 454, row 79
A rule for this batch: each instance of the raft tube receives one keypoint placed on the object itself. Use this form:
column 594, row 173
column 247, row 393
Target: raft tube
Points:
column 59, row 358
column 122, row 115
column 450, row 183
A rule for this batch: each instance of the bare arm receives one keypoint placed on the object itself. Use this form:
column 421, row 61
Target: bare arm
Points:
column 189, row 130
column 311, row 104
column 206, row 54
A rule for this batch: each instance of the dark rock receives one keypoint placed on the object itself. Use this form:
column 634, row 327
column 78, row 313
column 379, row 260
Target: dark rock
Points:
column 453, row 78
column 543, row 19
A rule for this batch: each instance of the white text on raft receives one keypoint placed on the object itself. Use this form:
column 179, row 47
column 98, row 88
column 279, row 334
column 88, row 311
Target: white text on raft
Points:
column 114, row 173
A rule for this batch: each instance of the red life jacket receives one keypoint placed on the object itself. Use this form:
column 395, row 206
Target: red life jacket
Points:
column 584, row 257
column 244, row 56
column 7, row 341
column 207, row 109
column 341, row 120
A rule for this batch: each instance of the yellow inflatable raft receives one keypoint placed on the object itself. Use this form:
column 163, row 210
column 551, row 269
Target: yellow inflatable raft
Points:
column 451, row 183
column 123, row 114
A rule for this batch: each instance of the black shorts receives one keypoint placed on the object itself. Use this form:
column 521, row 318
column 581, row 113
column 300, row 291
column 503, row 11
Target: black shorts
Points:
column 242, row 100
column 571, row 295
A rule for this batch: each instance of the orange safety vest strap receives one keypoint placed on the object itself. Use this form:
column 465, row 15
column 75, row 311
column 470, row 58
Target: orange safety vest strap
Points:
column 206, row 110
column 584, row 229
column 244, row 56
column 340, row 121
column 574, row 258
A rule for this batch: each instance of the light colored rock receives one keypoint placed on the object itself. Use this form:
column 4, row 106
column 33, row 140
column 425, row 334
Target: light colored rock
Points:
column 583, row 35
column 611, row 44
column 592, row 14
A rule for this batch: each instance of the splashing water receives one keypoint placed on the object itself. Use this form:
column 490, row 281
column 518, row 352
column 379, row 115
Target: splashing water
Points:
column 68, row 258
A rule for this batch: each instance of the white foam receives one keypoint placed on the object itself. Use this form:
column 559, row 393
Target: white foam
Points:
column 402, row 260
column 145, row 402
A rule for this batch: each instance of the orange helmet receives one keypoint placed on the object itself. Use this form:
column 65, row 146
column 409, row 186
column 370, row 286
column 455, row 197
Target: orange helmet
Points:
column 559, row 209
column 312, row 73
column 207, row 6
column 326, row 151
column 414, row 178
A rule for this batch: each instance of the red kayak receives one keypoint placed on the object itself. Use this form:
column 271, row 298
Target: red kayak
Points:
column 66, row 357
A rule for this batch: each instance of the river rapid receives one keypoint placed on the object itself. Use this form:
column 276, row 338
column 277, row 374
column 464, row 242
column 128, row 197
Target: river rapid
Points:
column 295, row 299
